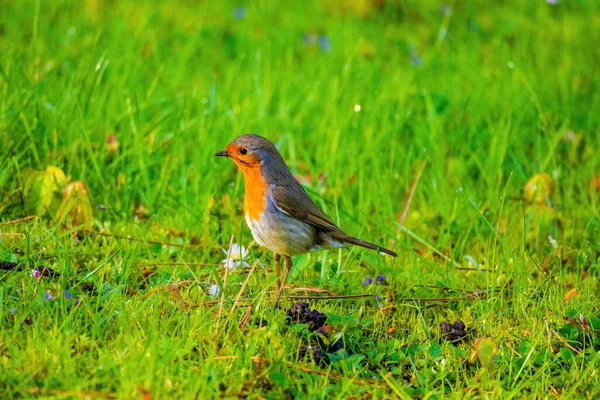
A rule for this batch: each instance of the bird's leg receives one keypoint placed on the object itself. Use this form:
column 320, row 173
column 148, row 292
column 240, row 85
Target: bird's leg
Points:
column 287, row 260
column 277, row 257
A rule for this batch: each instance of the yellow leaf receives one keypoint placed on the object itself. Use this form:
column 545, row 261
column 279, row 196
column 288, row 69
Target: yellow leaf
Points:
column 539, row 188
column 76, row 207
column 571, row 293
column 43, row 190
column 486, row 350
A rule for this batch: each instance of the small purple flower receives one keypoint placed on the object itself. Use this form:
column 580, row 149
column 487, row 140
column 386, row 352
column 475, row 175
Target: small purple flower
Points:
column 35, row 273
column 12, row 311
column 68, row 295
column 380, row 279
column 377, row 297
column 239, row 13
column 48, row 296
column 324, row 43
column 367, row 281
column 553, row 2
column 379, row 303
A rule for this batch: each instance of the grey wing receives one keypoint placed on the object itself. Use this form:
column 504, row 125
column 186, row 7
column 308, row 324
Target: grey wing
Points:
column 293, row 201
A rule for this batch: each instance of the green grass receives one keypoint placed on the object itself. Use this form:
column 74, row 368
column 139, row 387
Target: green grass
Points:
column 488, row 94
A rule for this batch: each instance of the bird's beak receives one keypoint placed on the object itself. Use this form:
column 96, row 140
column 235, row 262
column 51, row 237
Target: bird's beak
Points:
column 223, row 153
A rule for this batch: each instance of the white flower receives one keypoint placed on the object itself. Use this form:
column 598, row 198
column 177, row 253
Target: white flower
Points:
column 214, row 290
column 236, row 256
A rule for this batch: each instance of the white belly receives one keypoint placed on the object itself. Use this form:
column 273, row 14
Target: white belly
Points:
column 282, row 234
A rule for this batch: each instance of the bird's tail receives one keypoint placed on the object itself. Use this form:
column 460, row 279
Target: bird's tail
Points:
column 352, row 240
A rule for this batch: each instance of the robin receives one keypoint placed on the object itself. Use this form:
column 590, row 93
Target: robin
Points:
column 279, row 212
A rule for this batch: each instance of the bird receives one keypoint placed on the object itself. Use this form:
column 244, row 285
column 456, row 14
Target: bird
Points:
column 278, row 211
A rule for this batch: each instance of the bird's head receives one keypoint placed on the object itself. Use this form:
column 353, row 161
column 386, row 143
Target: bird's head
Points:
column 250, row 151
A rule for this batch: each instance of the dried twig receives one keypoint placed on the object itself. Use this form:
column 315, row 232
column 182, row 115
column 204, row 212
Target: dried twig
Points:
column 72, row 393
column 186, row 246
column 186, row 264
column 480, row 294
column 472, row 296
column 243, row 286
column 260, row 360
column 411, row 193
column 177, row 297
column 16, row 221
column 224, row 284
column 474, row 269
column 549, row 335
column 309, row 289
column 514, row 351
column 246, row 316
column 350, row 296
column 563, row 340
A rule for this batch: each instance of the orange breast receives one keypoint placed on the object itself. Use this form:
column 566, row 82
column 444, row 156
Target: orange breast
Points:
column 255, row 190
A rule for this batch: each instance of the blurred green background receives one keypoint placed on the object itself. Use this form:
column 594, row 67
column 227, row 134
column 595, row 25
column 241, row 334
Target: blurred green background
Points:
column 498, row 103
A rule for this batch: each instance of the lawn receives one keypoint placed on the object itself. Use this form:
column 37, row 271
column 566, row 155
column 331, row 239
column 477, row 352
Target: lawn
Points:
column 462, row 135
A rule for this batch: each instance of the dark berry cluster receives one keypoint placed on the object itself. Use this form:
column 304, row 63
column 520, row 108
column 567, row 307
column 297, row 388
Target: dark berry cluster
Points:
column 300, row 313
column 453, row 332
column 321, row 340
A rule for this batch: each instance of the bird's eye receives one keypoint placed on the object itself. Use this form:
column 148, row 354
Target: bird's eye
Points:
column 243, row 151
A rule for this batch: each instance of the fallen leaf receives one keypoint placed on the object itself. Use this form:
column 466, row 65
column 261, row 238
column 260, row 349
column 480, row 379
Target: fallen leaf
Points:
column 146, row 395
column 486, row 349
column 539, row 188
column 76, row 206
column 43, row 190
column 595, row 184
column 141, row 212
column 571, row 293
